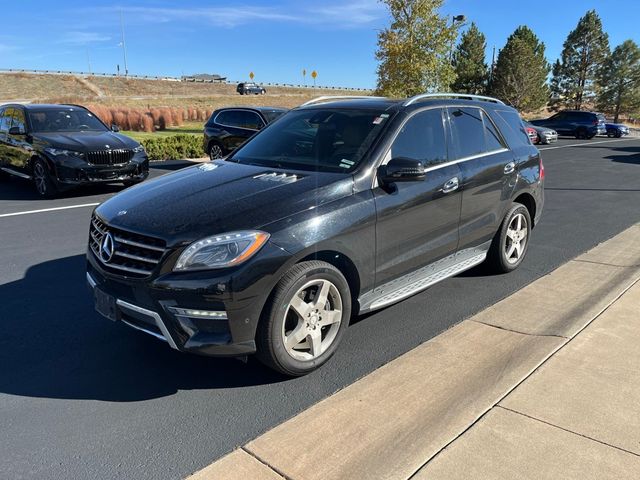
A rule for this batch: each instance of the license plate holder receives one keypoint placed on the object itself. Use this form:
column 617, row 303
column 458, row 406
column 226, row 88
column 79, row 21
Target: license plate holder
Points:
column 105, row 304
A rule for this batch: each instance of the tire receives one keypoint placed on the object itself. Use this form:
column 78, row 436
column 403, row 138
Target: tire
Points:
column 618, row 135
column 263, row 92
column 216, row 151
column 581, row 133
column 589, row 137
column 499, row 258
column 45, row 187
column 280, row 320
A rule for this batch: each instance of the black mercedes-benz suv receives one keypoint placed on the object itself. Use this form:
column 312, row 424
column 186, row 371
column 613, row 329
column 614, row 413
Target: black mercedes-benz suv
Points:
column 64, row 146
column 342, row 206
column 228, row 128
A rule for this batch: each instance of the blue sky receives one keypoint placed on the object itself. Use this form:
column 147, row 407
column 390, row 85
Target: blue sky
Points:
column 274, row 39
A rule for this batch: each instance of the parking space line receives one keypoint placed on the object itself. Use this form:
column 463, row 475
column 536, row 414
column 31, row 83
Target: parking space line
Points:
column 590, row 143
column 43, row 210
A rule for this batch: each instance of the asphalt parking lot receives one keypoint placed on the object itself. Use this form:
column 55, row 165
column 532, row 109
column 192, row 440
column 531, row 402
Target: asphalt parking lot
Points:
column 81, row 397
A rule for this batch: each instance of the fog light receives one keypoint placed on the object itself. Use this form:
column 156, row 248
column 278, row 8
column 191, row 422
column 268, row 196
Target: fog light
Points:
column 192, row 313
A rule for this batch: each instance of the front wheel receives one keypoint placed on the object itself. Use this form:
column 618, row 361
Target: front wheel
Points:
column 42, row 180
column 215, row 151
column 511, row 242
column 303, row 323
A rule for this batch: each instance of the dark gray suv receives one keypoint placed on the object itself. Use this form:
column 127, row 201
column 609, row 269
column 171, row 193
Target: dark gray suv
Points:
column 342, row 206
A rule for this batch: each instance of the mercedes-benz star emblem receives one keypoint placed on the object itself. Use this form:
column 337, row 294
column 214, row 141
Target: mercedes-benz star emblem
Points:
column 107, row 248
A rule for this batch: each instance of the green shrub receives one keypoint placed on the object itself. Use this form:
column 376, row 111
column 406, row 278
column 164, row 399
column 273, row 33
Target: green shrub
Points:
column 174, row 147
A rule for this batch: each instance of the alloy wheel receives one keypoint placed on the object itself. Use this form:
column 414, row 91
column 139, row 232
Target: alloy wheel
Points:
column 40, row 178
column 215, row 152
column 516, row 239
column 312, row 320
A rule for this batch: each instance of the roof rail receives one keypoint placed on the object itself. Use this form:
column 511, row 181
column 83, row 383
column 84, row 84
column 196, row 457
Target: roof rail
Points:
column 329, row 98
column 422, row 96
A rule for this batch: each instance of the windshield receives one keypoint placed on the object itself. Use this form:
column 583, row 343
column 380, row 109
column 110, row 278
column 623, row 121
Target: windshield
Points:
column 64, row 119
column 327, row 140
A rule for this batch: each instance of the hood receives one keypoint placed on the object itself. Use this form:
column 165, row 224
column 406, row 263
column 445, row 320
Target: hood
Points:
column 86, row 141
column 218, row 197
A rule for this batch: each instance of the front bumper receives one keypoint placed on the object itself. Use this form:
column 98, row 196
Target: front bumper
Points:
column 71, row 173
column 549, row 137
column 197, row 313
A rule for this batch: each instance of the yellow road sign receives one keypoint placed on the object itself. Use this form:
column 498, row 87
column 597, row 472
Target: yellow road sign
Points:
column 251, row 75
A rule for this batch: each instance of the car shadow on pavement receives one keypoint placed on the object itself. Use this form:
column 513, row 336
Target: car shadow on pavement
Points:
column 54, row 345
column 632, row 155
column 23, row 190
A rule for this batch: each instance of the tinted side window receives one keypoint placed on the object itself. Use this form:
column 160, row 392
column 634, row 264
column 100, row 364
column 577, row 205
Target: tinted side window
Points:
column 19, row 120
column 511, row 126
column 422, row 138
column 250, row 120
column 5, row 122
column 228, row 117
column 467, row 131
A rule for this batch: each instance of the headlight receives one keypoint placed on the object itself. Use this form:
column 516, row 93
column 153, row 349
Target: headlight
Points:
column 69, row 153
column 138, row 149
column 221, row 251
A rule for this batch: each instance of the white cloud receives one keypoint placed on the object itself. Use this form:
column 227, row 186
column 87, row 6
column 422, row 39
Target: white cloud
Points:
column 344, row 14
column 82, row 38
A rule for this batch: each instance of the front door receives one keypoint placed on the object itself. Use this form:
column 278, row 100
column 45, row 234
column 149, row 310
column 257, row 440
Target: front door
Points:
column 417, row 222
column 18, row 149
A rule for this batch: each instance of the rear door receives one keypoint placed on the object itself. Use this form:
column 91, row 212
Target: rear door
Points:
column 488, row 171
column 417, row 222
column 560, row 123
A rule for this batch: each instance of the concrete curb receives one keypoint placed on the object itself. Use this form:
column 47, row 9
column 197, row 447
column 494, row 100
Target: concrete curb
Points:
column 392, row 422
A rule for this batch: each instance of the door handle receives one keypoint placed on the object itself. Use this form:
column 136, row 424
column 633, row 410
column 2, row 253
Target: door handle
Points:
column 509, row 167
column 451, row 185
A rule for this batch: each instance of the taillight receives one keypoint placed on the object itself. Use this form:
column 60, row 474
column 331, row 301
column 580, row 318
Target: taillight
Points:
column 541, row 170
column 596, row 122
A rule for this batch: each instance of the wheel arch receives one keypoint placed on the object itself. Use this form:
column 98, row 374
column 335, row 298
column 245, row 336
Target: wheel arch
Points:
column 529, row 202
column 346, row 266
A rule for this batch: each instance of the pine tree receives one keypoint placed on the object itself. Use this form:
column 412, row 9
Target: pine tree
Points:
column 583, row 53
column 620, row 80
column 414, row 51
column 521, row 71
column 472, row 73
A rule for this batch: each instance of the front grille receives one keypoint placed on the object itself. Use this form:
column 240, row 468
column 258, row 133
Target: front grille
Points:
column 110, row 157
column 134, row 255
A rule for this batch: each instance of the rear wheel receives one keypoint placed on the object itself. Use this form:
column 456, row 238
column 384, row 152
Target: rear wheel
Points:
column 581, row 133
column 303, row 323
column 511, row 242
column 42, row 180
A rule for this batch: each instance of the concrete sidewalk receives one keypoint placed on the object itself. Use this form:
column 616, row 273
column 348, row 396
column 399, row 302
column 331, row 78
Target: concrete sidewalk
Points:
column 544, row 384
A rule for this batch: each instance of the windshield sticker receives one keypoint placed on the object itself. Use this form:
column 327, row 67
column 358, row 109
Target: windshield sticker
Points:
column 344, row 163
column 380, row 119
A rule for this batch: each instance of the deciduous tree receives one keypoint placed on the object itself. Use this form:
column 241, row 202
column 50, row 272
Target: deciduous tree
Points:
column 414, row 51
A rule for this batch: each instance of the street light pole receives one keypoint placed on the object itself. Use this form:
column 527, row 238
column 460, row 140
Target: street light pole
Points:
column 124, row 45
column 454, row 19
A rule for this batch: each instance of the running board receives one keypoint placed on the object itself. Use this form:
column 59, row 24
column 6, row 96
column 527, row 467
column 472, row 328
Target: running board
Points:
column 419, row 280
column 16, row 173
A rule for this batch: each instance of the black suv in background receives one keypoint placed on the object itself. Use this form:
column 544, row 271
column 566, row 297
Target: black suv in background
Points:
column 250, row 88
column 227, row 128
column 341, row 207
column 575, row 123
column 63, row 146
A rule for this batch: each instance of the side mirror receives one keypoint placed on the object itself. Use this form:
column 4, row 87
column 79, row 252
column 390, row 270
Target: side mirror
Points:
column 17, row 131
column 401, row 170
column 115, row 128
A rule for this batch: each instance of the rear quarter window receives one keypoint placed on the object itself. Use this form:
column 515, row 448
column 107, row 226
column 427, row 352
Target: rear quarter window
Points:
column 511, row 126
